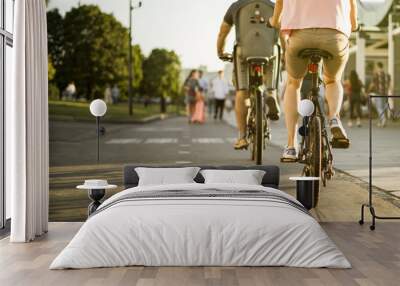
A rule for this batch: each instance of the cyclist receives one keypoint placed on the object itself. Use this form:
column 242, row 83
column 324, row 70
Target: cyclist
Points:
column 325, row 25
column 241, row 75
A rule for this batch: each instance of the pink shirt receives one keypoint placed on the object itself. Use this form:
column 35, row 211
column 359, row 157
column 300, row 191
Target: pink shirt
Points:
column 303, row 14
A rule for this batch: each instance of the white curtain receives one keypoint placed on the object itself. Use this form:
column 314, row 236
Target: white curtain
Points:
column 27, row 159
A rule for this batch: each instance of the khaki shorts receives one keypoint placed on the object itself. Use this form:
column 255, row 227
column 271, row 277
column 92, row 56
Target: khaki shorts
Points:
column 332, row 41
column 241, row 72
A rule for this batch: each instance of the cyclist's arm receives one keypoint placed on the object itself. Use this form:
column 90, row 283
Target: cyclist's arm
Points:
column 275, row 20
column 354, row 15
column 223, row 33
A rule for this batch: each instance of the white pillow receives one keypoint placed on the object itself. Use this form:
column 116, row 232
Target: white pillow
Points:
column 166, row 176
column 245, row 177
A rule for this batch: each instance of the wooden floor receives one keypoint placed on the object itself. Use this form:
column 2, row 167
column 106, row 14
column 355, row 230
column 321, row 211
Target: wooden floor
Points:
column 375, row 257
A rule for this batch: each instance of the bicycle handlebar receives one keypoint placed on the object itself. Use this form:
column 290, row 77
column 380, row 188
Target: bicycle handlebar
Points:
column 226, row 58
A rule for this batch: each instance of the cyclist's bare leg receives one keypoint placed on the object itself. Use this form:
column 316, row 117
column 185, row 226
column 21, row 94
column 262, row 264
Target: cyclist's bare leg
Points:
column 241, row 111
column 334, row 96
column 291, row 101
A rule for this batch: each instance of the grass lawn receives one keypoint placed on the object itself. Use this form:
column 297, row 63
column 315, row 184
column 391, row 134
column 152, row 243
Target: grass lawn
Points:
column 79, row 111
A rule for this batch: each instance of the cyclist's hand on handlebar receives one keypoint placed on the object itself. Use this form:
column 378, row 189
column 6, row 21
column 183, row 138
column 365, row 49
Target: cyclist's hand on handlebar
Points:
column 357, row 28
column 269, row 25
column 226, row 57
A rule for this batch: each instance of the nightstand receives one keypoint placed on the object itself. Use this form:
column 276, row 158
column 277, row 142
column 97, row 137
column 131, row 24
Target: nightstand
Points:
column 96, row 191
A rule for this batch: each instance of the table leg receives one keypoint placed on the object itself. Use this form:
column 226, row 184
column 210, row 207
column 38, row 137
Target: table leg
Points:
column 96, row 196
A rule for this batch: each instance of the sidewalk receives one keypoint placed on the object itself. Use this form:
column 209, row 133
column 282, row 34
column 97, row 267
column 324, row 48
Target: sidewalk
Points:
column 354, row 161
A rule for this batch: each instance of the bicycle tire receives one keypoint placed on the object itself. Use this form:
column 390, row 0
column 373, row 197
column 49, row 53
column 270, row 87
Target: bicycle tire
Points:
column 259, row 138
column 315, row 160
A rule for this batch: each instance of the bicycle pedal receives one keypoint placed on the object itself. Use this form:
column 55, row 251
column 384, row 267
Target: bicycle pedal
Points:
column 340, row 143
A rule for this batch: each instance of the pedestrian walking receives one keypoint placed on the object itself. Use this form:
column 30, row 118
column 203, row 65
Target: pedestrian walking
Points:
column 205, row 90
column 381, row 86
column 115, row 94
column 192, row 90
column 199, row 115
column 354, row 88
column 220, row 89
column 70, row 91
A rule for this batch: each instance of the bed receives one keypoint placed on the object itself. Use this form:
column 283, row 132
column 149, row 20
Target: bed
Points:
column 201, row 224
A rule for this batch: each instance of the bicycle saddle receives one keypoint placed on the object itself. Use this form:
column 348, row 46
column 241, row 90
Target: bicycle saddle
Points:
column 308, row 53
column 258, row 60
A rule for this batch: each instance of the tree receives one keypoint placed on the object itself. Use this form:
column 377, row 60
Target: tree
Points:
column 55, row 40
column 161, row 75
column 94, row 52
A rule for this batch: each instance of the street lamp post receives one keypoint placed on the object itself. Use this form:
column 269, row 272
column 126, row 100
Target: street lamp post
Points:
column 98, row 109
column 130, row 88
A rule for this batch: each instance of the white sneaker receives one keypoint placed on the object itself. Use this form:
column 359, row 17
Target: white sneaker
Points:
column 289, row 155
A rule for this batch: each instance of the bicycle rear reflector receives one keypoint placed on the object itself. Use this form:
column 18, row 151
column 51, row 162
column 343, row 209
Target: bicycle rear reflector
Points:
column 313, row 68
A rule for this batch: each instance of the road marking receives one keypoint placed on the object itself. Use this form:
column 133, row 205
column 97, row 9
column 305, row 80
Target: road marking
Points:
column 208, row 140
column 124, row 141
column 183, row 162
column 184, row 152
column 231, row 140
column 161, row 141
column 152, row 129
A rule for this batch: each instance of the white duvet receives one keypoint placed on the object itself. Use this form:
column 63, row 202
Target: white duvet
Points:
column 200, row 232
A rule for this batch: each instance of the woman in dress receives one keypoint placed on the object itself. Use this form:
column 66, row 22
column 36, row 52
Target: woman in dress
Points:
column 199, row 115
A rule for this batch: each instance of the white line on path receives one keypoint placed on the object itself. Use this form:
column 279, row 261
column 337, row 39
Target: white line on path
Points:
column 125, row 141
column 150, row 129
column 183, row 162
column 161, row 141
column 208, row 140
column 184, row 152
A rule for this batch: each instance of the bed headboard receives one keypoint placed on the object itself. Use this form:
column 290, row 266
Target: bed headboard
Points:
column 271, row 178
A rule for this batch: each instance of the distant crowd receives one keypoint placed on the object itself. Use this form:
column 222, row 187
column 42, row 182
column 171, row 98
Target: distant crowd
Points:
column 206, row 96
column 111, row 94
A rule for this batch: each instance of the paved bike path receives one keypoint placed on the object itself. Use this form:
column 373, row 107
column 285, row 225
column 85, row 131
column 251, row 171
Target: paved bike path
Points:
column 354, row 161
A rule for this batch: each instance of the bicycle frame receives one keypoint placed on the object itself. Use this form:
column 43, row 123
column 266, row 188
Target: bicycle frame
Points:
column 314, row 96
column 256, row 117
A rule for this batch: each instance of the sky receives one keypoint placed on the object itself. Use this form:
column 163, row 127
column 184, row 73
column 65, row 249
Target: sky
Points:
column 188, row 27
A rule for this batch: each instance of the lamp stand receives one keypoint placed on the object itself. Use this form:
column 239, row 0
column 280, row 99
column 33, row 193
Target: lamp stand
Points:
column 98, row 138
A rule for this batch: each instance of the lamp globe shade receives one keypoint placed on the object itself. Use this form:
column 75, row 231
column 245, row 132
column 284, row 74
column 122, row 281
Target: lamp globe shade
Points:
column 98, row 108
column 306, row 108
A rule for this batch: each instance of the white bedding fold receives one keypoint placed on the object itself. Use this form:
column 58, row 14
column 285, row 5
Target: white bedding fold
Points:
column 200, row 232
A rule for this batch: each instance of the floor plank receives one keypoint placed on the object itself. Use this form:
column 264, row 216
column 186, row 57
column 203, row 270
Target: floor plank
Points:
column 375, row 257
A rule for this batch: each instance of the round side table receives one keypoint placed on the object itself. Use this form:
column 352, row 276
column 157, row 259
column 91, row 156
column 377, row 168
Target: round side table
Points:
column 96, row 193
column 305, row 190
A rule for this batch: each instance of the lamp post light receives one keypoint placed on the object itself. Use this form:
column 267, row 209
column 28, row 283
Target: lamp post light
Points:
column 98, row 109
column 130, row 88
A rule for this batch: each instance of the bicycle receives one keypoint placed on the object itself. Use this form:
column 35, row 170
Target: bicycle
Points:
column 315, row 148
column 258, row 127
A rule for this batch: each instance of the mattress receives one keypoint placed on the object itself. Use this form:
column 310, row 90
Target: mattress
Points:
column 201, row 225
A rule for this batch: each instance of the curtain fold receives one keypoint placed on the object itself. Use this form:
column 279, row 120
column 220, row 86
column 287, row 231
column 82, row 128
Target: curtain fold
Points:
column 27, row 141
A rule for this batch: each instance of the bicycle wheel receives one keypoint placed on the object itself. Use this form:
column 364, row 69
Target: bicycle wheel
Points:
column 259, row 136
column 314, row 163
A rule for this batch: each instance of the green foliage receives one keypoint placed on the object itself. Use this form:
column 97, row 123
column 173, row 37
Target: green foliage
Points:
column 161, row 74
column 55, row 37
column 50, row 69
column 90, row 48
